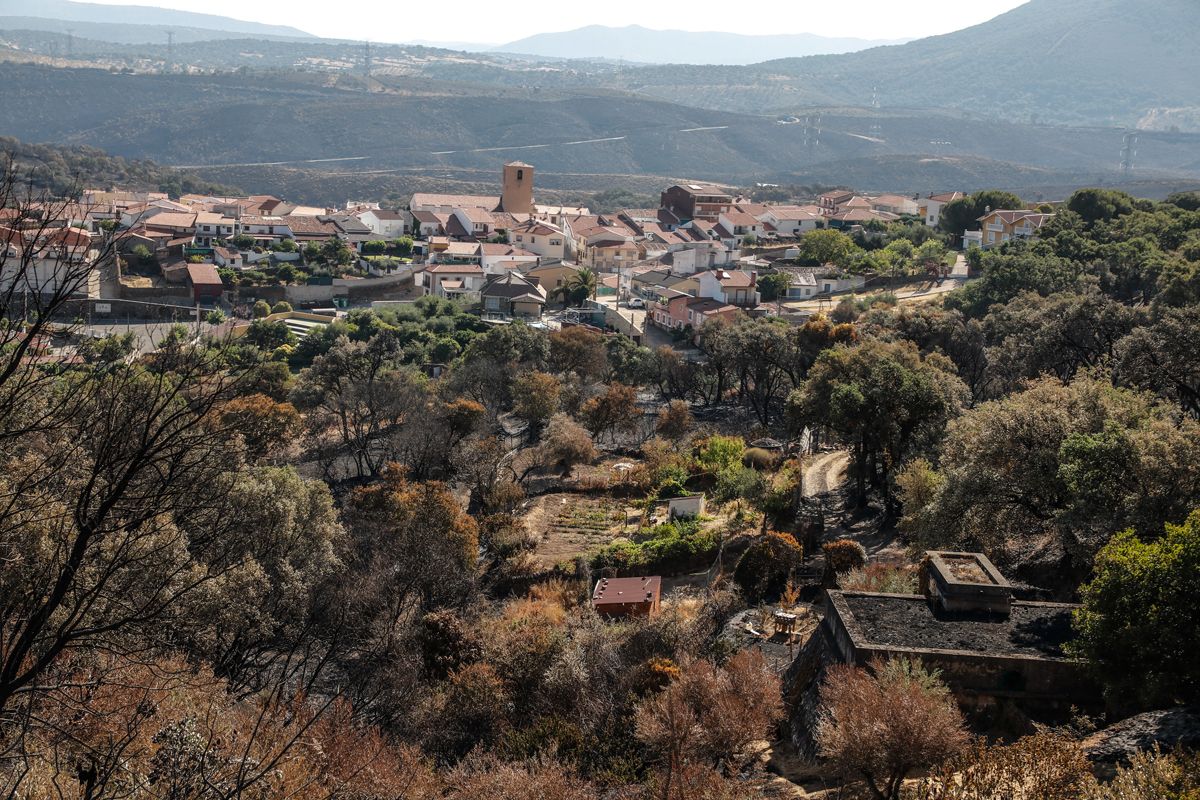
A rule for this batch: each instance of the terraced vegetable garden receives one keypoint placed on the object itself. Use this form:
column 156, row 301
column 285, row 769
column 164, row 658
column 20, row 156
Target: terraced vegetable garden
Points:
column 564, row 526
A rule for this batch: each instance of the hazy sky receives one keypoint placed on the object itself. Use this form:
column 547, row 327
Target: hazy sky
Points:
column 499, row 22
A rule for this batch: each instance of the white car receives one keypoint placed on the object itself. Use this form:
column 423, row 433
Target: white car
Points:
column 635, row 302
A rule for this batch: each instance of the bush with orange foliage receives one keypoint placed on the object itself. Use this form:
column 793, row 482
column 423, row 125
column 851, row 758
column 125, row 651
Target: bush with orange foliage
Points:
column 266, row 426
column 882, row 723
column 123, row 728
column 710, row 715
column 841, row 556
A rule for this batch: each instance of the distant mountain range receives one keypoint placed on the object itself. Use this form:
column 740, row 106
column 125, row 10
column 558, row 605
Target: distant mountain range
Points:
column 60, row 12
column 1042, row 95
column 1108, row 62
column 646, row 46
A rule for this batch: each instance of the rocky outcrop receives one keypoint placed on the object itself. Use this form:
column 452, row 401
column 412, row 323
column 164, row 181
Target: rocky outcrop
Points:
column 1117, row 744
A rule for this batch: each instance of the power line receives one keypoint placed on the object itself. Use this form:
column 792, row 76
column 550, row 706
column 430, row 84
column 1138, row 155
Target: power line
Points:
column 1128, row 152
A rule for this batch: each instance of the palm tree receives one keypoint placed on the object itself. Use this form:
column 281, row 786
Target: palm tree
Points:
column 578, row 287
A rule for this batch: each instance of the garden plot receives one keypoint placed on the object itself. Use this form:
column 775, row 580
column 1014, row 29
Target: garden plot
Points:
column 563, row 526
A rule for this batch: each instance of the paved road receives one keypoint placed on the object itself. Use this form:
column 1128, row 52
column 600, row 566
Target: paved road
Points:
column 146, row 334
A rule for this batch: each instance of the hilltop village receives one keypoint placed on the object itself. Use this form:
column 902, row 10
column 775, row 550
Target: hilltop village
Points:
column 876, row 495
column 700, row 256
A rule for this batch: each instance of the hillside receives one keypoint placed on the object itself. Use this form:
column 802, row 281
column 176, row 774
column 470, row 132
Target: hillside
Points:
column 63, row 170
column 69, row 11
column 638, row 44
column 117, row 33
column 1115, row 63
column 249, row 119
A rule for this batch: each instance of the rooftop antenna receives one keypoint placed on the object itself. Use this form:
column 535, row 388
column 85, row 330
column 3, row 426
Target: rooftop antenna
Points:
column 170, row 65
column 1128, row 152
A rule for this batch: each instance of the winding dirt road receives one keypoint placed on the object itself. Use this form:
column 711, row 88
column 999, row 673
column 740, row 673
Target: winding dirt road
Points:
column 824, row 472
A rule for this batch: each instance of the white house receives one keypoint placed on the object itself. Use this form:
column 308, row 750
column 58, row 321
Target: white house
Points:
column 896, row 204
column 500, row 258
column 428, row 223
column 454, row 281
column 211, row 226
column 740, row 224
column 446, row 203
column 226, row 257
column 791, row 221
column 540, row 238
column 734, row 287
column 476, row 222
column 384, row 224
column 266, row 228
column 803, row 285
column 693, row 257
column 931, row 207
column 63, row 260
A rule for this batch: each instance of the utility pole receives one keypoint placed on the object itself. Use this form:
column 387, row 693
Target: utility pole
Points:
column 876, row 130
column 367, row 66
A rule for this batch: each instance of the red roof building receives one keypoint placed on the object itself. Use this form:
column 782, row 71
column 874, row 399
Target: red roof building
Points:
column 205, row 282
column 627, row 597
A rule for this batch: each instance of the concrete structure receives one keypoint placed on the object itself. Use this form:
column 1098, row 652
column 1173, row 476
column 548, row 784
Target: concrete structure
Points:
column 986, row 659
column 627, row 597
column 516, row 195
column 965, row 583
column 685, row 507
column 301, row 323
column 1002, row 658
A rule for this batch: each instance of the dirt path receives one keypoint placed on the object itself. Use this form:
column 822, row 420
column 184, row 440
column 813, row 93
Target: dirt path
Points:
column 825, row 472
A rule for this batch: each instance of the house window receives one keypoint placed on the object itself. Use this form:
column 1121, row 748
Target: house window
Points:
column 520, row 174
column 555, row 242
column 493, row 303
